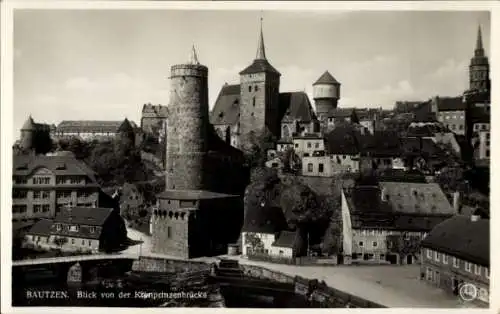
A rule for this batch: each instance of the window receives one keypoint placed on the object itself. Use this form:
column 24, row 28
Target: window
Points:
column 445, row 259
column 309, row 145
column 487, row 273
column 249, row 88
column 375, row 243
column 19, row 209
column 361, row 243
column 468, row 266
column 20, row 180
column 60, row 180
column 436, row 256
column 19, row 194
column 343, row 157
column 74, row 228
column 41, row 180
column 83, row 242
column 58, row 227
column 253, row 102
column 455, row 262
column 320, row 168
column 296, row 145
column 72, row 241
column 477, row 269
column 90, row 242
column 487, row 153
column 429, row 253
column 483, row 127
column 37, row 208
column 37, row 194
column 310, row 167
column 256, row 88
column 169, row 232
column 316, row 145
column 453, row 127
column 461, row 127
column 428, row 274
column 45, row 208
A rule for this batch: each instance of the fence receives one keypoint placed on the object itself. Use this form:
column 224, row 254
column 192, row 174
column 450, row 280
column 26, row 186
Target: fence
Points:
column 299, row 261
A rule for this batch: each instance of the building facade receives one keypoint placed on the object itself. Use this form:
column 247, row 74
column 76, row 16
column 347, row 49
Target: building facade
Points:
column 79, row 229
column 43, row 185
column 456, row 257
column 89, row 130
column 154, row 120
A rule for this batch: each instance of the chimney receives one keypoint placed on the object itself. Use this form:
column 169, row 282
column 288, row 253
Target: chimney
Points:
column 456, row 202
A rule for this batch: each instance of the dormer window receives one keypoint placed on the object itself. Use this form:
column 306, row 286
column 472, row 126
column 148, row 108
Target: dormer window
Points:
column 74, row 228
column 92, row 229
column 58, row 227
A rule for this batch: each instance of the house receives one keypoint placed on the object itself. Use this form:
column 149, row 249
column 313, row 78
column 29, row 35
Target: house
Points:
column 154, row 119
column 456, row 257
column 305, row 145
column 284, row 144
column 88, row 229
column 90, row 129
column 383, row 221
column 289, row 244
column 131, row 199
column 261, row 227
column 42, row 185
column 451, row 112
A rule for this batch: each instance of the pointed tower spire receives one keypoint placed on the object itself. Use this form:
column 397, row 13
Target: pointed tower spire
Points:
column 193, row 58
column 479, row 42
column 261, row 50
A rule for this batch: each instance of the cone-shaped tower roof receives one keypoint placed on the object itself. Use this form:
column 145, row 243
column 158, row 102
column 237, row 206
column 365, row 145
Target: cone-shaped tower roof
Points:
column 326, row 78
column 261, row 49
column 479, row 43
column 260, row 64
column 125, row 126
column 193, row 57
column 29, row 125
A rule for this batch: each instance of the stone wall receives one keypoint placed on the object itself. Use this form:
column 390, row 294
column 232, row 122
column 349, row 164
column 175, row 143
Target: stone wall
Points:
column 187, row 127
column 152, row 264
column 175, row 243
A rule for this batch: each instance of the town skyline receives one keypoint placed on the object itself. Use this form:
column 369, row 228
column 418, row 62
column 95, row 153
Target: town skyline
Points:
column 128, row 72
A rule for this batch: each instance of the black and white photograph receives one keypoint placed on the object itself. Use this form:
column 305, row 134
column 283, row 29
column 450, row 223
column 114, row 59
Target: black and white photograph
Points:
column 260, row 156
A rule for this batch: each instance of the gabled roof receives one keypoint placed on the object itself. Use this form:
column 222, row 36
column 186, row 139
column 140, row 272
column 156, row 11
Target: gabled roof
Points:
column 288, row 239
column 227, row 106
column 260, row 66
column 267, row 219
column 157, row 111
column 92, row 216
column 24, row 165
column 416, row 198
column 41, row 227
column 296, row 106
column 326, row 78
column 125, row 126
column 461, row 237
column 90, row 126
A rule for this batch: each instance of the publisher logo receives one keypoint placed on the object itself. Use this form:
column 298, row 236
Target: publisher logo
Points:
column 467, row 292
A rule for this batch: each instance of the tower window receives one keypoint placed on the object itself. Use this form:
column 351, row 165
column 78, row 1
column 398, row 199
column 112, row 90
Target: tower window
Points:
column 253, row 101
column 256, row 88
column 169, row 232
column 252, row 114
column 249, row 88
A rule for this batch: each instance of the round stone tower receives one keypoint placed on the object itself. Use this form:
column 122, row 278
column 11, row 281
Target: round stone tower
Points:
column 187, row 126
column 27, row 134
column 326, row 93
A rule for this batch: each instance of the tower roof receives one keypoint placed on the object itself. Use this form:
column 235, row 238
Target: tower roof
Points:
column 479, row 40
column 261, row 49
column 260, row 64
column 125, row 126
column 29, row 125
column 326, row 78
column 193, row 57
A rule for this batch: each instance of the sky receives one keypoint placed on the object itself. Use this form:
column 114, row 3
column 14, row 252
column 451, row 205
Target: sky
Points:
column 105, row 64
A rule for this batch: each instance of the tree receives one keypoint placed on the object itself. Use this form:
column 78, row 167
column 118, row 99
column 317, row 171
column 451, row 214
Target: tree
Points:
column 255, row 242
column 291, row 162
column 258, row 145
column 403, row 245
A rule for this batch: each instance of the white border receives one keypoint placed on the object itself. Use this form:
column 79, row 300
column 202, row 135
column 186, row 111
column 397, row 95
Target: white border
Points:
column 7, row 136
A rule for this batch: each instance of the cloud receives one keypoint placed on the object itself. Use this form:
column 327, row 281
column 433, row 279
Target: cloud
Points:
column 450, row 68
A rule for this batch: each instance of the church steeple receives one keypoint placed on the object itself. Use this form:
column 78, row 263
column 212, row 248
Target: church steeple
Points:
column 479, row 52
column 261, row 49
column 479, row 68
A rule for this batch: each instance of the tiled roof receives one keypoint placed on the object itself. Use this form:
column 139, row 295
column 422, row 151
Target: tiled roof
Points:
column 292, row 106
column 267, row 219
column 416, row 198
column 420, row 145
column 425, row 128
column 288, row 239
column 157, row 111
column 326, row 78
column 450, row 104
column 227, row 106
column 90, row 126
column 42, row 227
column 344, row 139
column 296, row 106
column 93, row 216
column 24, row 165
column 192, row 195
column 260, row 66
column 463, row 238
column 382, row 144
